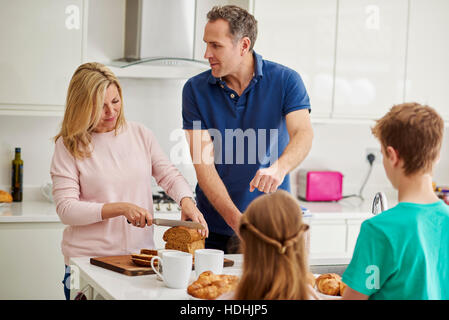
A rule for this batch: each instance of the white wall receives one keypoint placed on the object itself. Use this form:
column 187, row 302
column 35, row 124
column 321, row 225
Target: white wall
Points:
column 157, row 104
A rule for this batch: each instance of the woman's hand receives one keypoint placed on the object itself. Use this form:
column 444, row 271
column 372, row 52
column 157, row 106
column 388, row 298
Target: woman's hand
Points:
column 190, row 211
column 136, row 215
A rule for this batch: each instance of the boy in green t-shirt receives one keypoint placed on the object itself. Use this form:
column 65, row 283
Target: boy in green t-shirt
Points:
column 403, row 253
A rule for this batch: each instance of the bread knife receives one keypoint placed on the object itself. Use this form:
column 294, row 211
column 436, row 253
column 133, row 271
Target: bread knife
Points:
column 176, row 223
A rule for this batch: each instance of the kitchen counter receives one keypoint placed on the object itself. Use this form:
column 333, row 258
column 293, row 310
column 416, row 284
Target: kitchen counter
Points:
column 113, row 285
column 44, row 211
column 28, row 211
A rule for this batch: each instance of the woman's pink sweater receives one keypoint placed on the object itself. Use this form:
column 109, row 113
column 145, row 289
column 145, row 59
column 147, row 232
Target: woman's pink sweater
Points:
column 120, row 169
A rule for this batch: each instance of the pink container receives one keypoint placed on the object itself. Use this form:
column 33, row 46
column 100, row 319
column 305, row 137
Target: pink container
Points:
column 320, row 185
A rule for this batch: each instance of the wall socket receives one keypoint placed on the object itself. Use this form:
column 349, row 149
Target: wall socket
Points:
column 377, row 153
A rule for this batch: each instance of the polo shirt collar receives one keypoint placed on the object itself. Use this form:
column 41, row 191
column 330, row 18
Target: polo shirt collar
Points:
column 258, row 73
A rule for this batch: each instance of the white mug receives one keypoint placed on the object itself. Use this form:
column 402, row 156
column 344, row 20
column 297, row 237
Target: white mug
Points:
column 209, row 259
column 46, row 191
column 177, row 268
column 160, row 253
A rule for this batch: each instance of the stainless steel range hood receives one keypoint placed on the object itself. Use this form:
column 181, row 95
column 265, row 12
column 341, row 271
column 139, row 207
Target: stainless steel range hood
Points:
column 160, row 33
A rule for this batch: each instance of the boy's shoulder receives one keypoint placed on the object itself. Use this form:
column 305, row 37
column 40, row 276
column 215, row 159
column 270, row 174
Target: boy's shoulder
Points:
column 405, row 213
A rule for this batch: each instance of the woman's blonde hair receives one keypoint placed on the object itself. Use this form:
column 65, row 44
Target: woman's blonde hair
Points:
column 273, row 243
column 84, row 105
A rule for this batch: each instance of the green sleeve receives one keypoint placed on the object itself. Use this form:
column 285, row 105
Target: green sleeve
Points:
column 372, row 262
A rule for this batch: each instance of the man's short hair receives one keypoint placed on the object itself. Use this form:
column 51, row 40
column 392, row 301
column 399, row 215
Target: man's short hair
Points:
column 415, row 131
column 241, row 22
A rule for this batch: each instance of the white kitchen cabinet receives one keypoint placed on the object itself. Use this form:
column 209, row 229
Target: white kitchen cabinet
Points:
column 427, row 55
column 328, row 238
column 42, row 43
column 370, row 57
column 31, row 263
column 301, row 35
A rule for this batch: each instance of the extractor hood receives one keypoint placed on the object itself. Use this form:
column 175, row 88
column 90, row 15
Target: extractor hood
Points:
column 160, row 34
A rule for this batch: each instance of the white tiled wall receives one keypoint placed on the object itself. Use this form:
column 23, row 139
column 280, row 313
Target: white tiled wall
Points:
column 157, row 104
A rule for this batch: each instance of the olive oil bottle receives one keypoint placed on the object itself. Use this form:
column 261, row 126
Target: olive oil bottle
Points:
column 17, row 177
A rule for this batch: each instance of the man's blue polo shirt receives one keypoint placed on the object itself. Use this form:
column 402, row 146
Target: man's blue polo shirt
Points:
column 249, row 131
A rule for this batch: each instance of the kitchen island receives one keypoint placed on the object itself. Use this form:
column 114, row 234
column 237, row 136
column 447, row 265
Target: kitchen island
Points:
column 32, row 231
column 98, row 283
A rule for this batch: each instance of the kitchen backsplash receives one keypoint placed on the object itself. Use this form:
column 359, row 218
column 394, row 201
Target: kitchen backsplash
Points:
column 157, row 104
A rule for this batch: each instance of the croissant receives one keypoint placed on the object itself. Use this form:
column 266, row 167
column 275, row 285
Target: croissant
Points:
column 5, row 196
column 209, row 285
column 343, row 287
column 329, row 283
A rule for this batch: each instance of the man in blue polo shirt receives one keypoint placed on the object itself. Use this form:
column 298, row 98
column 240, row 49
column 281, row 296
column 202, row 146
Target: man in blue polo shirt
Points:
column 246, row 120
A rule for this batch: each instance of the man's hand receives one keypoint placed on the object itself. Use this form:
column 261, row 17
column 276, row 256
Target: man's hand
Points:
column 190, row 211
column 267, row 179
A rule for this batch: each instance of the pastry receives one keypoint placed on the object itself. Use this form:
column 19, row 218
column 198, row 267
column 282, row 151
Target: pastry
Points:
column 343, row 287
column 183, row 239
column 5, row 196
column 329, row 283
column 311, row 279
column 210, row 286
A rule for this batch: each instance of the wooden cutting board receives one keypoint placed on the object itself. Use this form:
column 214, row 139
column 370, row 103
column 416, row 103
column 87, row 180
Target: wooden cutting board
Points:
column 123, row 264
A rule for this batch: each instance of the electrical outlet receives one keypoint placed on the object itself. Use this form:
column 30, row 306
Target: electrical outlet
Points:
column 376, row 152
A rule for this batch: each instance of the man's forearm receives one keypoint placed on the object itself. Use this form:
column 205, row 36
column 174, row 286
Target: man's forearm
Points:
column 296, row 151
column 217, row 194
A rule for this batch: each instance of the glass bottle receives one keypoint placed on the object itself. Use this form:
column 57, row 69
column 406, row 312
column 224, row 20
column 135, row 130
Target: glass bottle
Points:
column 17, row 177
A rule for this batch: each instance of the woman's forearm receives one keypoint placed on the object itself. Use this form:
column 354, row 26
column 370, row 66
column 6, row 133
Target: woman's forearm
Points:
column 112, row 210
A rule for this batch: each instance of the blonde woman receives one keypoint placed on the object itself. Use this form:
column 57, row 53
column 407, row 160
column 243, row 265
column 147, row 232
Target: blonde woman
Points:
column 275, row 263
column 102, row 169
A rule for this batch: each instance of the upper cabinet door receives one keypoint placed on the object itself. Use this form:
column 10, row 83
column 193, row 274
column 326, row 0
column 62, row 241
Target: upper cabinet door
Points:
column 300, row 34
column 41, row 48
column 428, row 54
column 370, row 59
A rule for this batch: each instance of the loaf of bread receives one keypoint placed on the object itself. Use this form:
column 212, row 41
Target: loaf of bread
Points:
column 183, row 239
column 5, row 196
column 210, row 286
column 329, row 283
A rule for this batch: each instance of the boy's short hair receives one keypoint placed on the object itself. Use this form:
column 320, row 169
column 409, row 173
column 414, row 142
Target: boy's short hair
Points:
column 415, row 131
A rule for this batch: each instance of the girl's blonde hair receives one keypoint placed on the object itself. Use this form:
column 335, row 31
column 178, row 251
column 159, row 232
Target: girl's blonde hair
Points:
column 273, row 243
column 84, row 105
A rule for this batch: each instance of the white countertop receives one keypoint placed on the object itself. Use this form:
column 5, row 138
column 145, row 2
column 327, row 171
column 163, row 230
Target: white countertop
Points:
column 44, row 211
column 28, row 211
column 117, row 286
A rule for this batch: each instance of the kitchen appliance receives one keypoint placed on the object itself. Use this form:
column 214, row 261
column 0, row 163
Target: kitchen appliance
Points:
column 319, row 185
column 160, row 33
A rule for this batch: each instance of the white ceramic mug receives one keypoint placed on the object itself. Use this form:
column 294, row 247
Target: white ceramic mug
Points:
column 46, row 191
column 209, row 259
column 177, row 268
column 160, row 253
